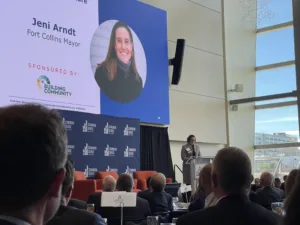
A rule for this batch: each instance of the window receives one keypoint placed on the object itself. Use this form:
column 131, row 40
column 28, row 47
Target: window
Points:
column 275, row 46
column 279, row 161
column 275, row 81
column 272, row 12
column 276, row 125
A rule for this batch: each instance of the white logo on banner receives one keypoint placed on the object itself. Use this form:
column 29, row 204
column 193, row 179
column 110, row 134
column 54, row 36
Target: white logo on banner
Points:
column 88, row 127
column 128, row 131
column 109, row 129
column 89, row 172
column 89, row 150
column 108, row 169
column 129, row 152
column 110, row 151
column 70, row 149
column 130, row 170
column 68, row 124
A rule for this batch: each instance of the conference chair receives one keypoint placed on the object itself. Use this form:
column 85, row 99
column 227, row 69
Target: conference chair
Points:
column 84, row 187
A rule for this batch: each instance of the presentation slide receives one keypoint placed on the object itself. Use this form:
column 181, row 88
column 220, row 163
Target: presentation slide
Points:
column 94, row 56
column 45, row 54
column 129, row 58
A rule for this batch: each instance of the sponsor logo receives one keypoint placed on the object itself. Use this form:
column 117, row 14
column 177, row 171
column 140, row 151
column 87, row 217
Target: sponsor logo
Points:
column 108, row 169
column 70, row 149
column 89, row 150
column 109, row 129
column 130, row 170
column 90, row 172
column 110, row 151
column 68, row 124
column 129, row 152
column 88, row 127
column 44, row 84
column 82, row 1
column 129, row 131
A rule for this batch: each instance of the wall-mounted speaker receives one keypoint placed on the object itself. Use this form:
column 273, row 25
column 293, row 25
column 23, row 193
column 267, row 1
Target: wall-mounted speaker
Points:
column 177, row 61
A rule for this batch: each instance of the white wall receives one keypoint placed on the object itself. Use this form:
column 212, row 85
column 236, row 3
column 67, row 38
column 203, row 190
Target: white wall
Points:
column 240, row 51
column 197, row 104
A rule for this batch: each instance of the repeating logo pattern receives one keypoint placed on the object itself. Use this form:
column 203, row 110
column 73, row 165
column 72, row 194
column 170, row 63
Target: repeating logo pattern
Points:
column 105, row 149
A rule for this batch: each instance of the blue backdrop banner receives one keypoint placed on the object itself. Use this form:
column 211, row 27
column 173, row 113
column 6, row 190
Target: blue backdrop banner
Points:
column 102, row 143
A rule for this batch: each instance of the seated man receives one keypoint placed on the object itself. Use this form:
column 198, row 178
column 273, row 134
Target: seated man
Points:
column 109, row 184
column 159, row 200
column 206, row 197
column 113, row 214
column 268, row 194
column 70, row 215
column 231, row 179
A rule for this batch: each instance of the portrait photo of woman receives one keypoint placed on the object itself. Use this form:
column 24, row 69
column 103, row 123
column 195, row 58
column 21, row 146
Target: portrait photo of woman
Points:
column 118, row 76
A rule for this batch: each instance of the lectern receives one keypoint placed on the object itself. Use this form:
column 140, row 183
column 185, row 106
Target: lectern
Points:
column 196, row 164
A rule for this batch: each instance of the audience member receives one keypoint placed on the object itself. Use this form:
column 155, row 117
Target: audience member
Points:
column 159, row 201
column 283, row 183
column 253, row 196
column 268, row 194
column 256, row 185
column 292, row 206
column 231, row 178
column 277, row 182
column 206, row 197
column 70, row 215
column 76, row 203
column 33, row 141
column 112, row 214
column 290, row 181
column 109, row 184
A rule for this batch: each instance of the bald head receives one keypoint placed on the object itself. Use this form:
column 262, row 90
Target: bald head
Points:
column 231, row 172
column 158, row 182
column 109, row 184
column 266, row 179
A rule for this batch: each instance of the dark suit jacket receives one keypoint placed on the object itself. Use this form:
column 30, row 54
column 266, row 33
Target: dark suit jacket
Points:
column 113, row 214
column 231, row 210
column 69, row 215
column 254, row 197
column 282, row 186
column 141, row 194
column 160, row 202
column 76, row 203
column 198, row 203
column 268, row 195
column 4, row 222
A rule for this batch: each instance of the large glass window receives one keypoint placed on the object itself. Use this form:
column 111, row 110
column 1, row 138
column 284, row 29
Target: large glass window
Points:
column 275, row 46
column 272, row 12
column 276, row 125
column 279, row 161
column 276, row 81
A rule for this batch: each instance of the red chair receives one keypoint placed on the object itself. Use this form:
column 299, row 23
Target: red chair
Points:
column 142, row 177
column 83, row 187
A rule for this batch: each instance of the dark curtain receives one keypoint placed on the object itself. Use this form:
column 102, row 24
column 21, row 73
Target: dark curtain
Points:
column 155, row 150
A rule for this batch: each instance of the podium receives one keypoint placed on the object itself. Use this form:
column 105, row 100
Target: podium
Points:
column 196, row 164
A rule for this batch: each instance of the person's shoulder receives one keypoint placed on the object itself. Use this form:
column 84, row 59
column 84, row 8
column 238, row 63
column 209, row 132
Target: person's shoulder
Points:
column 141, row 201
column 101, row 73
column 70, row 214
column 263, row 215
column 195, row 216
